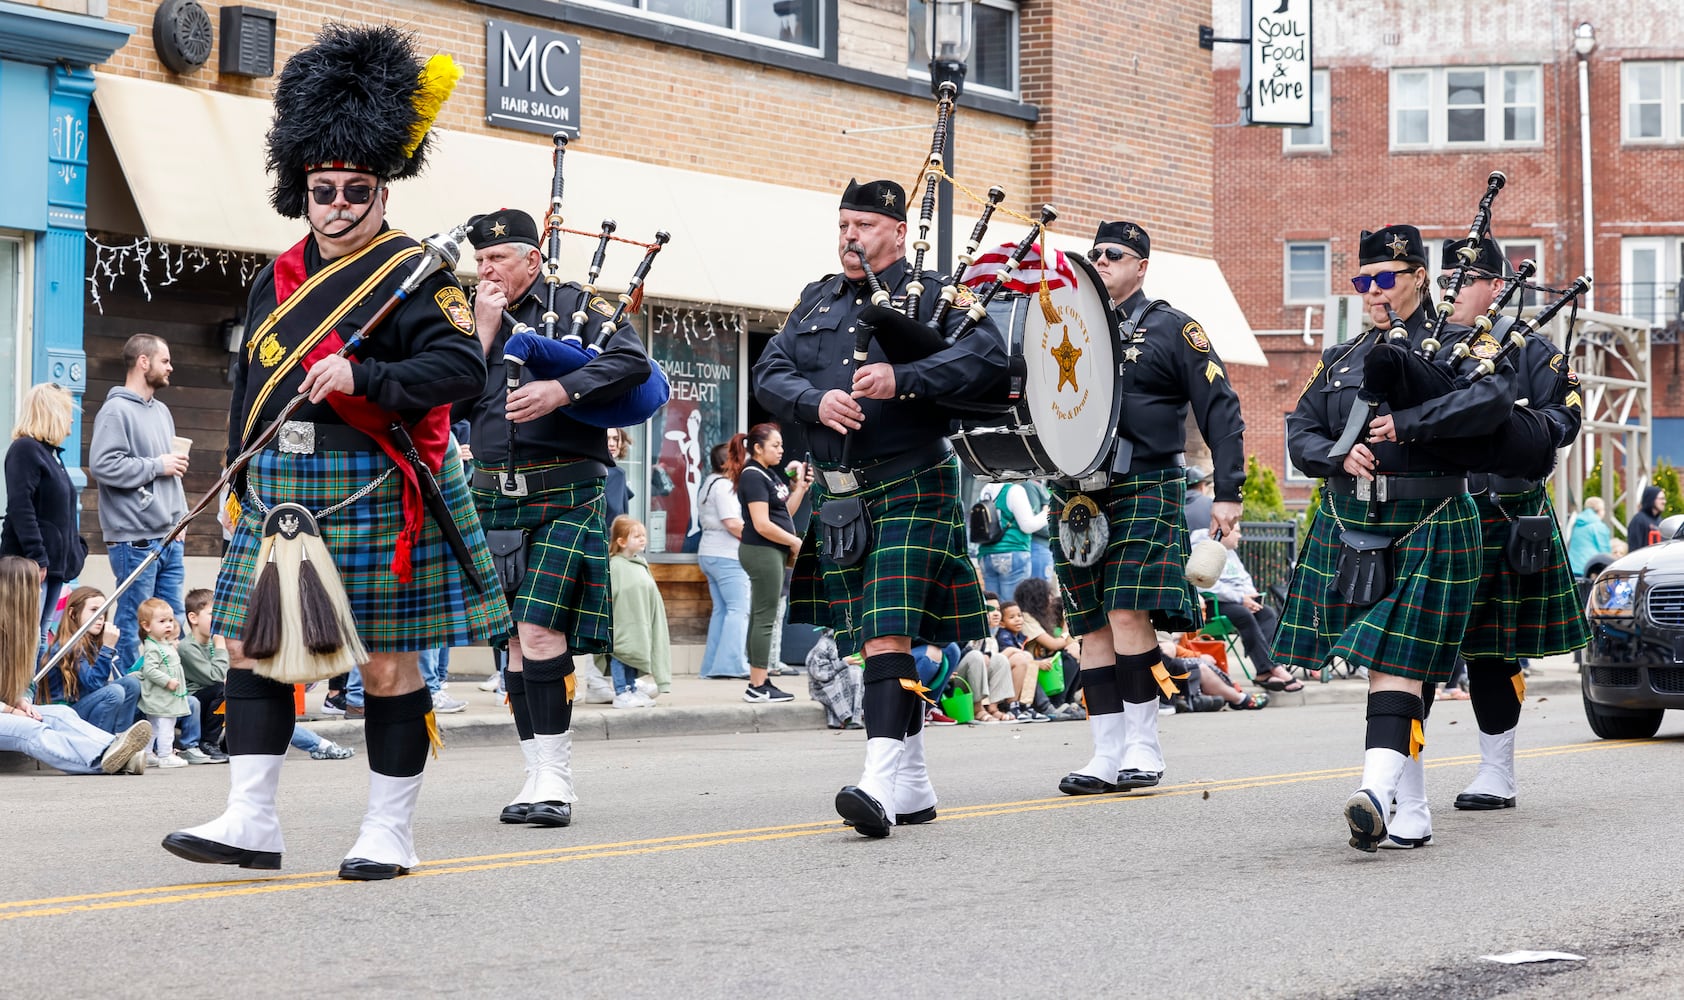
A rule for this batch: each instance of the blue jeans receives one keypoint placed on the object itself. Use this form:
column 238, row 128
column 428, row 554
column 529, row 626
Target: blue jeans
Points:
column 435, row 669
column 1003, row 571
column 111, row 708
column 625, row 678
column 727, row 648
column 1040, row 559
column 61, row 739
column 305, row 739
column 354, row 688
column 165, row 578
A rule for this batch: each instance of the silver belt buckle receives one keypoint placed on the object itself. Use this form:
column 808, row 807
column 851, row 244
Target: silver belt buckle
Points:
column 840, row 480
column 511, row 484
column 1370, row 489
column 298, row 437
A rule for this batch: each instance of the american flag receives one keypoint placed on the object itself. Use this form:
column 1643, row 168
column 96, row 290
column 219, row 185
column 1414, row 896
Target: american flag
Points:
column 1027, row 278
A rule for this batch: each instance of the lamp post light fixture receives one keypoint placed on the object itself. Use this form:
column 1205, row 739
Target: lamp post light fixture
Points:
column 1584, row 39
column 948, row 36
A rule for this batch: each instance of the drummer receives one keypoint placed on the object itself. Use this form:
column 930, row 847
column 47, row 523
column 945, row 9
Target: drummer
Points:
column 1135, row 583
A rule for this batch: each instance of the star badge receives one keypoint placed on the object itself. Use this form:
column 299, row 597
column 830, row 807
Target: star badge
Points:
column 1067, row 354
column 1132, row 234
column 498, row 229
column 1131, row 355
column 889, row 199
column 1399, row 246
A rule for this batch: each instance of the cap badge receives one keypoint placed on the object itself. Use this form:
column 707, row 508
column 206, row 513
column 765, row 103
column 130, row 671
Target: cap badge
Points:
column 498, row 229
column 1399, row 246
column 889, row 199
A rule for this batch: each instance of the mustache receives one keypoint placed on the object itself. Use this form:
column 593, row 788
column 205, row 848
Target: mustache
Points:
column 340, row 215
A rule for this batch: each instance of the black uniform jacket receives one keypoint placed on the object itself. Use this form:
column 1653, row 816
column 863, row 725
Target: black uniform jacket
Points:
column 1176, row 367
column 423, row 356
column 1331, row 392
column 621, row 367
column 1549, row 386
column 813, row 354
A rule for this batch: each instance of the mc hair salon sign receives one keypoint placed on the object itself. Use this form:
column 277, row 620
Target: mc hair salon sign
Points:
column 1279, row 68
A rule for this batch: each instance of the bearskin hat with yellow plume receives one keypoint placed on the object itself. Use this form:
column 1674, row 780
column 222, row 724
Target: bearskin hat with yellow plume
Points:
column 358, row 98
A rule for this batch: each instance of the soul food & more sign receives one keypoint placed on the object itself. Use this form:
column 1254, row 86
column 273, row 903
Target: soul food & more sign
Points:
column 1279, row 76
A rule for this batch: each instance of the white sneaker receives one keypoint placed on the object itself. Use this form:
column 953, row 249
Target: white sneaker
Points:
column 647, row 687
column 491, row 683
column 444, row 704
column 151, row 759
column 633, row 699
column 193, row 755
column 173, row 760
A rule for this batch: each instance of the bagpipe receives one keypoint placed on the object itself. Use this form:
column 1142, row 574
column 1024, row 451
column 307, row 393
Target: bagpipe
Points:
column 298, row 584
column 547, row 356
column 1401, row 377
column 901, row 335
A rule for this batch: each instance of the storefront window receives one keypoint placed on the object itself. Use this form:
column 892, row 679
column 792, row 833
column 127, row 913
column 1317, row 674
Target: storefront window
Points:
column 14, row 339
column 700, row 349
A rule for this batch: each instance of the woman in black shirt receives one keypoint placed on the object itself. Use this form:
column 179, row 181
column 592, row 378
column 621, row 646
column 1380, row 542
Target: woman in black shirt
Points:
column 769, row 540
column 40, row 500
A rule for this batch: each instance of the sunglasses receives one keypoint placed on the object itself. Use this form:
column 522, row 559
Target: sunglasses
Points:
column 1385, row 280
column 355, row 194
column 1444, row 280
column 1111, row 254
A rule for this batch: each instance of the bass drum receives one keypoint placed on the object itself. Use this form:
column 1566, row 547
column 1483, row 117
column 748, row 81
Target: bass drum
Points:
column 1064, row 422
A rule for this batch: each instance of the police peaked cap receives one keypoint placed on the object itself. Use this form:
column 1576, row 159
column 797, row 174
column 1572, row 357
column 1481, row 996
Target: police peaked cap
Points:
column 882, row 197
column 1393, row 243
column 1489, row 264
column 506, row 225
column 347, row 102
column 1126, row 233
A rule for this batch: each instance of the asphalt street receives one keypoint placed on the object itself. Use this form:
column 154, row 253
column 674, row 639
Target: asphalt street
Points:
column 713, row 866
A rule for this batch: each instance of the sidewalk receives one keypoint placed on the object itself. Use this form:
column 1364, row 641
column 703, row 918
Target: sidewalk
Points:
column 697, row 707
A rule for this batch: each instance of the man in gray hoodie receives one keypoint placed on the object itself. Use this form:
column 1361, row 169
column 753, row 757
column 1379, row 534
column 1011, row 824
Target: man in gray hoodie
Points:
column 140, row 492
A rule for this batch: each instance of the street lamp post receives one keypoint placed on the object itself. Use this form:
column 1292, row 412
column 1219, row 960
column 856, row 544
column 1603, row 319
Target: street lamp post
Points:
column 1584, row 43
column 947, row 42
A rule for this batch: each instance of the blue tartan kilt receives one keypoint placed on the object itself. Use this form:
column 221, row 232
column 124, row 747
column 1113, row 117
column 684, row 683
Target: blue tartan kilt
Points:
column 437, row 607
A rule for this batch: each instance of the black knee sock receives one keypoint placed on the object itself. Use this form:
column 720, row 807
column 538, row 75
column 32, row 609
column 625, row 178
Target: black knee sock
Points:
column 514, row 683
column 1428, row 693
column 890, row 710
column 1134, row 677
column 260, row 714
column 549, row 693
column 395, row 728
column 1099, row 687
column 1495, row 687
column 1391, row 720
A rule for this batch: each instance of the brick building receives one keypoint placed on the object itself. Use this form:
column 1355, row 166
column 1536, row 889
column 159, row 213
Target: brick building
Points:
column 1405, row 135
column 722, row 123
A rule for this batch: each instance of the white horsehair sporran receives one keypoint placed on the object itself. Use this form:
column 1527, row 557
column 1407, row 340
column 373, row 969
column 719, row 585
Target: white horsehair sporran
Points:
column 299, row 627
column 1083, row 531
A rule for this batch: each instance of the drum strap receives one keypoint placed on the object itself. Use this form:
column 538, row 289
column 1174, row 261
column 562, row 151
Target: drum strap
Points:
column 1128, row 332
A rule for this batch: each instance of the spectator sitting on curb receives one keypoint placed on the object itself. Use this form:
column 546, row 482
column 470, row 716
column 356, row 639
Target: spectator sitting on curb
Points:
column 1044, row 637
column 1238, row 600
column 1030, row 703
column 1204, row 679
column 204, row 659
column 318, row 747
column 987, row 671
column 835, row 682
column 84, row 679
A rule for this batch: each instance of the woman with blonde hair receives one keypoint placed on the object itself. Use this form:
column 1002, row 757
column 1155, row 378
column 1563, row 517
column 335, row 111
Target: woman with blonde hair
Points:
column 52, row 734
column 40, row 500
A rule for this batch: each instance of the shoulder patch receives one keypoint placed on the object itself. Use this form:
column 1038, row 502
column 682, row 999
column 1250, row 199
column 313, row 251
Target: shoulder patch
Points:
column 1486, row 347
column 1320, row 367
column 1558, row 363
column 455, row 307
column 601, row 305
column 1195, row 337
column 1572, row 377
column 963, row 297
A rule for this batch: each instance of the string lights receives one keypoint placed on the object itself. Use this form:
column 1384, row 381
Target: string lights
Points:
column 155, row 263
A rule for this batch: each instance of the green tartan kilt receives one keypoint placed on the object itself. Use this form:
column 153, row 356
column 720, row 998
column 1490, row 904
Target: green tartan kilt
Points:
column 437, row 607
column 1516, row 616
column 916, row 580
column 1145, row 563
column 1416, row 629
column 566, row 584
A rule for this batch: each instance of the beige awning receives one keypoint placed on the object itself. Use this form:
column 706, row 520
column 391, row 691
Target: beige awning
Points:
column 194, row 163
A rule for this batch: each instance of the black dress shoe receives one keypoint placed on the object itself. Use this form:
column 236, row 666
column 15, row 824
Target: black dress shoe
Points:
column 1479, row 801
column 1132, row 778
column 515, row 813
column 922, row 816
column 549, row 814
column 862, row 811
column 364, row 870
column 209, row 852
column 1084, row 784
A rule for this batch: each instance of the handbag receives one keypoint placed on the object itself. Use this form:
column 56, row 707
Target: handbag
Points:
column 508, row 556
column 847, row 530
column 1529, row 547
column 1364, row 573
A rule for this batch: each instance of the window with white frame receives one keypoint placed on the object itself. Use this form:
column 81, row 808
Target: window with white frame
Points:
column 1650, row 269
column 1652, row 101
column 1314, row 137
column 788, row 23
column 1456, row 106
column 15, row 341
column 992, row 67
column 1307, row 273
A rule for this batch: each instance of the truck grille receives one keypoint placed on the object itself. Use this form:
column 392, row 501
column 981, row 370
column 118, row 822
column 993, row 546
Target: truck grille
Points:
column 1666, row 606
column 1623, row 677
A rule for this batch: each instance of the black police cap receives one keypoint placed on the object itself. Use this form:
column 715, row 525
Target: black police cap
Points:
column 506, row 225
column 1393, row 243
column 1126, row 233
column 1489, row 263
column 882, row 197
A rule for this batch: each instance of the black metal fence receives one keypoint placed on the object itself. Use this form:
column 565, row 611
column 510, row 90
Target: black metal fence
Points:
column 1269, row 550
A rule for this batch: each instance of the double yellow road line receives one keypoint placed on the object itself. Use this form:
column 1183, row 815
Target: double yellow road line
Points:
column 194, row 891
